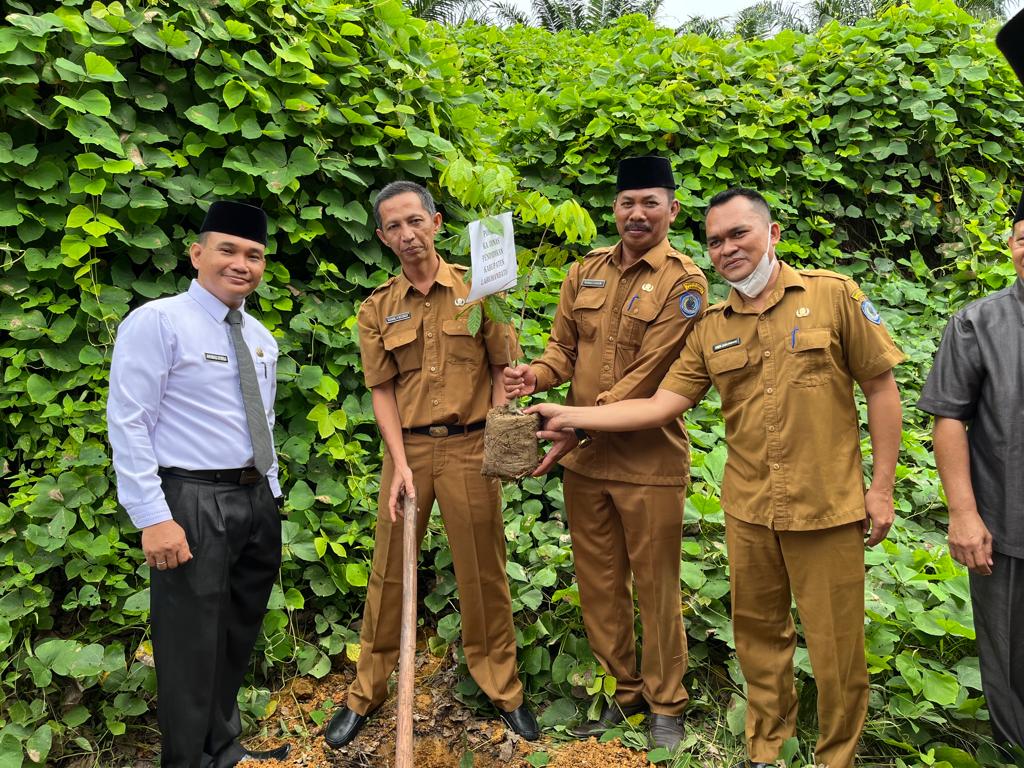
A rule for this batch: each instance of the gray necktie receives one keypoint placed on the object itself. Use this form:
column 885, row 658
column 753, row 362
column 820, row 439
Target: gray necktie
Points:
column 259, row 430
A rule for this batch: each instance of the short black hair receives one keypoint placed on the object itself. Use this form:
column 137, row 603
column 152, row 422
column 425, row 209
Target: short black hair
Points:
column 396, row 188
column 752, row 195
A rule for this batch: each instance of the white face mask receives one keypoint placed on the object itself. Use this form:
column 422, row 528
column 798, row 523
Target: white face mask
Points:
column 752, row 285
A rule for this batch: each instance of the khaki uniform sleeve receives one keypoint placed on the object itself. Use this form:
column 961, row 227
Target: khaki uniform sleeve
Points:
column 556, row 365
column 688, row 376
column 501, row 342
column 378, row 365
column 868, row 349
column 662, row 342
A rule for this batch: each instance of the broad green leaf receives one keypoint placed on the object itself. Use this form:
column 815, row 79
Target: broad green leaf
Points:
column 99, row 68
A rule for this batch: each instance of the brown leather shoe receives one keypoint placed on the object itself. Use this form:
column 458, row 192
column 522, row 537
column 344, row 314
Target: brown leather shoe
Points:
column 612, row 714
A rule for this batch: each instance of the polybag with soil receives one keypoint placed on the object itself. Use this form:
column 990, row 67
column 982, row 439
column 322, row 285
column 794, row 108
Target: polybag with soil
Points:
column 510, row 443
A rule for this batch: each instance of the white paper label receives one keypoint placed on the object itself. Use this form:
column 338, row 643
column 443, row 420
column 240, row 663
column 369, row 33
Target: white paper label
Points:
column 493, row 256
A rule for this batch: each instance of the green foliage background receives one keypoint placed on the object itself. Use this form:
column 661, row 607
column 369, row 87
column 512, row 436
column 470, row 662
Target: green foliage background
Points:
column 889, row 151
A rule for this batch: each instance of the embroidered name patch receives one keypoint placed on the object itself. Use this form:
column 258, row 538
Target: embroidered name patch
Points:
column 591, row 282
column 869, row 311
column 726, row 344
column 397, row 318
column 216, row 358
column 689, row 304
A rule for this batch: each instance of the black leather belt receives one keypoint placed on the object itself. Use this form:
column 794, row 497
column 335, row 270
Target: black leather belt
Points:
column 444, row 430
column 242, row 476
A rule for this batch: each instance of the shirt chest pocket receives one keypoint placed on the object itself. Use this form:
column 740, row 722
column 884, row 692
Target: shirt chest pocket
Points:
column 266, row 373
column 586, row 312
column 810, row 361
column 405, row 347
column 633, row 325
column 732, row 374
column 460, row 346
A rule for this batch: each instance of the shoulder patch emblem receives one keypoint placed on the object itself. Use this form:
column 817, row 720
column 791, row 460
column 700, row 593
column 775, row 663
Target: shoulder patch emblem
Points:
column 694, row 287
column 869, row 311
column 690, row 303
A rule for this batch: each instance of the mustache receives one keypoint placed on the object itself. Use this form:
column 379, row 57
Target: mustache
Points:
column 638, row 227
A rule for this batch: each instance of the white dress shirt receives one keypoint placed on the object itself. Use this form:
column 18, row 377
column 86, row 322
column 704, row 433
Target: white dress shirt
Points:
column 175, row 398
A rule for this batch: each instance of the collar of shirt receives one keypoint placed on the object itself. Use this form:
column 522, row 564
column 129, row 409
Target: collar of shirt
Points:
column 788, row 278
column 655, row 257
column 444, row 276
column 214, row 306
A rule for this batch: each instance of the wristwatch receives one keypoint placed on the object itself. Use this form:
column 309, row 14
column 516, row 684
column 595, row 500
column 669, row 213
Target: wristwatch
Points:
column 583, row 437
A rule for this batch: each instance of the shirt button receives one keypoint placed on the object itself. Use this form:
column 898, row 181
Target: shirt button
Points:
column 770, row 429
column 775, row 466
column 762, row 317
column 611, row 338
column 767, row 353
column 430, row 334
column 769, row 390
column 435, row 402
column 433, row 368
column 426, row 303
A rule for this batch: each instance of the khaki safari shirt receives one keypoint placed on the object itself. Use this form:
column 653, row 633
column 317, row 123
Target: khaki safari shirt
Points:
column 615, row 334
column 441, row 371
column 785, row 377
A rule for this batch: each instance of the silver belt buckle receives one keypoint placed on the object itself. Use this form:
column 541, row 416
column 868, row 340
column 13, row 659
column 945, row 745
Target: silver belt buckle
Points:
column 439, row 430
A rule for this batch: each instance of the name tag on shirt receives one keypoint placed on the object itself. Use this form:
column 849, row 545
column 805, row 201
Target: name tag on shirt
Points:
column 725, row 344
column 216, row 358
column 397, row 318
column 594, row 283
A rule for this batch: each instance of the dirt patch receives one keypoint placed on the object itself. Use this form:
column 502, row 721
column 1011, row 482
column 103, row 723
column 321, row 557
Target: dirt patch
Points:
column 447, row 733
column 510, row 443
column 591, row 754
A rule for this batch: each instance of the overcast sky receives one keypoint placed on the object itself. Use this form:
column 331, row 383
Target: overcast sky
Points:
column 675, row 12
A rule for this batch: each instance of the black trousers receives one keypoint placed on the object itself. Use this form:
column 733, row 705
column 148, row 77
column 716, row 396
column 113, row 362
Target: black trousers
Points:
column 998, row 602
column 206, row 615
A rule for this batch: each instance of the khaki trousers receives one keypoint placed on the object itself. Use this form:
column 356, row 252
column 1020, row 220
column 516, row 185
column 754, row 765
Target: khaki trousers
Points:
column 446, row 469
column 623, row 532
column 824, row 571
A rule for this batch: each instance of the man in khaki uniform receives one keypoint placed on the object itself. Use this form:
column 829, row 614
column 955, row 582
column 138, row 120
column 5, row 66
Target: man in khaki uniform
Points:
column 623, row 315
column 783, row 352
column 432, row 383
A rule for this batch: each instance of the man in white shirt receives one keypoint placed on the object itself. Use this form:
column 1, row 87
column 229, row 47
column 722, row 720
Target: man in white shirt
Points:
column 190, row 419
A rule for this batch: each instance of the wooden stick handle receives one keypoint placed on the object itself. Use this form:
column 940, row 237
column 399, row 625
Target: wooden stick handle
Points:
column 407, row 644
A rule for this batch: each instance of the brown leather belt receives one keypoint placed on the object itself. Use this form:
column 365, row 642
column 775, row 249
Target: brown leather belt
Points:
column 241, row 476
column 445, row 430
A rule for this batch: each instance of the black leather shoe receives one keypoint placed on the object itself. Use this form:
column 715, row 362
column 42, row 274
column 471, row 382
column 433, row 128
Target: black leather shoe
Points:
column 343, row 727
column 521, row 721
column 611, row 715
column 666, row 731
column 279, row 753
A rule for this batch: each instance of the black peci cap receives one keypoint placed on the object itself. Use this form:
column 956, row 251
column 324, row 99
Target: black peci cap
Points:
column 1019, row 216
column 645, row 172
column 238, row 219
column 1011, row 42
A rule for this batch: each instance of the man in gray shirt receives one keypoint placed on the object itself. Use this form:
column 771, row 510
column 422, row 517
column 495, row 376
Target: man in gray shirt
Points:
column 974, row 391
